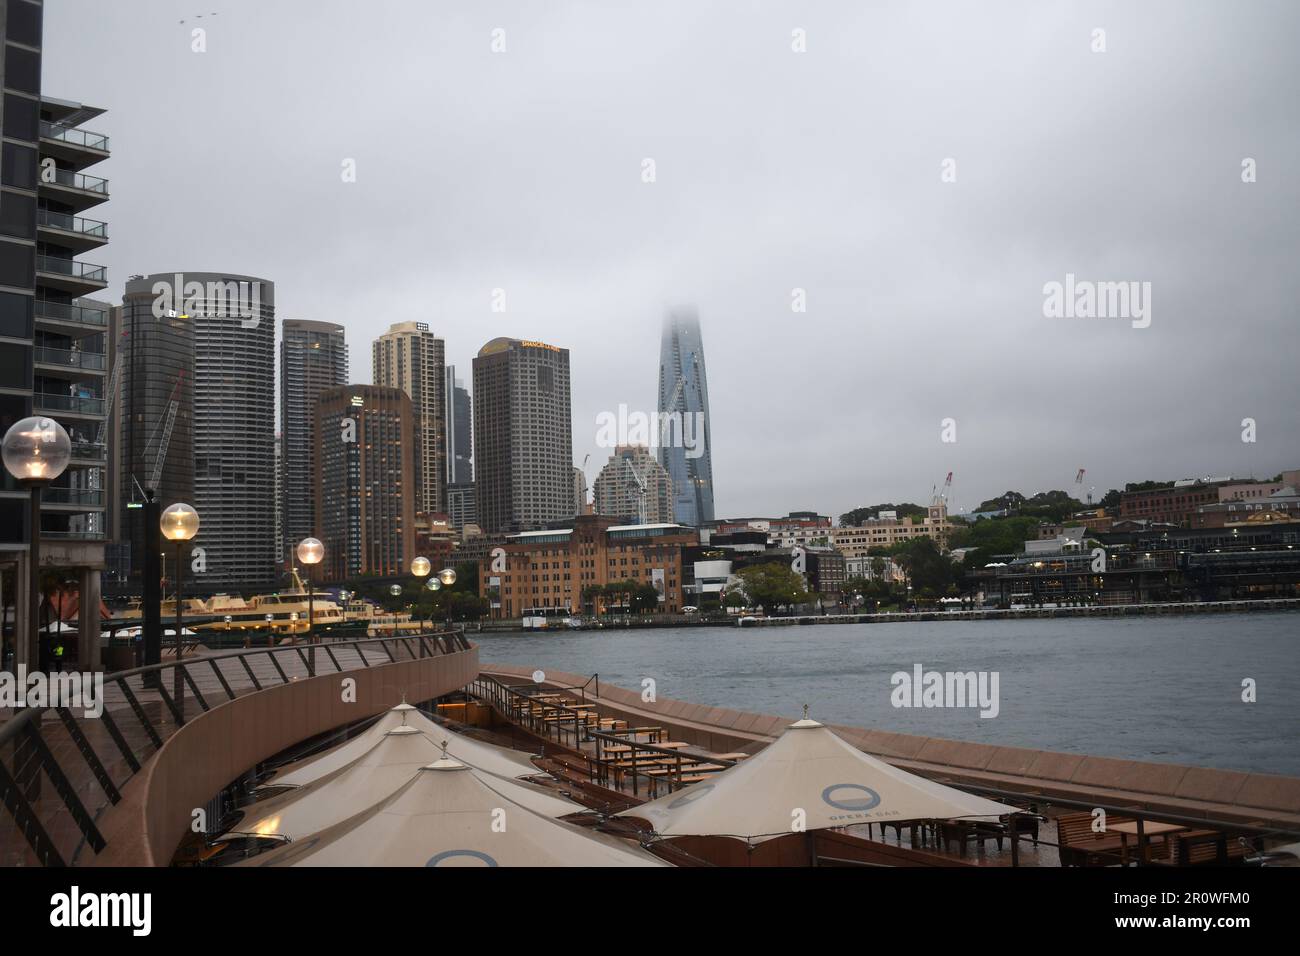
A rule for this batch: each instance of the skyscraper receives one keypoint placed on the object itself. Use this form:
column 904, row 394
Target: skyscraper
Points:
column 460, row 451
column 685, row 444
column 410, row 357
column 198, row 396
column 313, row 357
column 635, row 487
column 523, row 435
column 52, row 340
column 365, row 476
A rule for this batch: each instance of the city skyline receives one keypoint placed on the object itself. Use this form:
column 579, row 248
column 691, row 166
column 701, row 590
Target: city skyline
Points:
column 915, row 288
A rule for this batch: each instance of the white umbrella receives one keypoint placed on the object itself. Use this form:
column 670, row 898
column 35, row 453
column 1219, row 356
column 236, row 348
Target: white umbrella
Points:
column 809, row 779
column 497, row 760
column 446, row 815
column 369, row 780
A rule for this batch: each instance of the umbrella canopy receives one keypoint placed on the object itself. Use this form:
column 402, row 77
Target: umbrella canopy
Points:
column 497, row 760
column 808, row 776
column 446, row 815
column 369, row 780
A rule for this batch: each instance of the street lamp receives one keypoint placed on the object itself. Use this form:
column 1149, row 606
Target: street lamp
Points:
column 310, row 553
column 179, row 523
column 421, row 567
column 447, row 576
column 35, row 451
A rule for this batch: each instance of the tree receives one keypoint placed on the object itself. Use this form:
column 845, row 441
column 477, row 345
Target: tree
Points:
column 644, row 597
column 771, row 585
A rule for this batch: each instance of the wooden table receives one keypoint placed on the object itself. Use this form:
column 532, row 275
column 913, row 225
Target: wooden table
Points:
column 1149, row 828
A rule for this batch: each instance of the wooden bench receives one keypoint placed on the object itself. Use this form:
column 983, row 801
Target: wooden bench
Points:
column 1080, row 846
column 1202, row 847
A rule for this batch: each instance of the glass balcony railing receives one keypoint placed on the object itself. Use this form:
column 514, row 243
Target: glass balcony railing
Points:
column 72, row 496
column 70, row 358
column 89, row 451
column 44, row 401
column 73, row 268
column 60, row 220
column 90, row 184
column 71, row 313
column 70, row 134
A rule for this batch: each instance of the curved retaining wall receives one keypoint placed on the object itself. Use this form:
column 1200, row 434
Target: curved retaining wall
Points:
column 217, row 747
column 1226, row 796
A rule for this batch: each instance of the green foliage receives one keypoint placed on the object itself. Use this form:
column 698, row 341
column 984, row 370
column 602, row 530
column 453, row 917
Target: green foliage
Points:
column 771, row 585
column 859, row 515
column 993, row 537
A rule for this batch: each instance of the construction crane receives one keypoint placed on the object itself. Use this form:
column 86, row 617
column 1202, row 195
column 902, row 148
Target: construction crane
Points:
column 937, row 497
column 672, row 402
column 641, row 486
column 164, row 440
column 1078, row 481
column 110, row 396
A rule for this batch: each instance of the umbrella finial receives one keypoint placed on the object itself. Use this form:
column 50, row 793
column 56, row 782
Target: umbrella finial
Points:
column 805, row 711
column 444, row 749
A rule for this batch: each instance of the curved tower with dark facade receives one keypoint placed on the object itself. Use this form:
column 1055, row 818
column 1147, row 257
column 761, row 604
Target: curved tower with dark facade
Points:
column 685, row 433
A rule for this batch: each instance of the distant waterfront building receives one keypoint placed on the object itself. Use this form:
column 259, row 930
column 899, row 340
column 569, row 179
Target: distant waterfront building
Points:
column 684, row 397
column 547, row 571
column 460, row 449
column 523, row 439
column 632, row 482
column 206, row 341
column 462, row 507
column 410, row 357
column 313, row 357
column 365, row 479
column 1175, row 504
column 855, row 541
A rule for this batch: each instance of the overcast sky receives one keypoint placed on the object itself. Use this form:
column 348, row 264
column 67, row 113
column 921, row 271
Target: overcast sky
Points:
column 774, row 170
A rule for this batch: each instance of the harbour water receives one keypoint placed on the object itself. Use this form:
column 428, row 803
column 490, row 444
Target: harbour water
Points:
column 1149, row 688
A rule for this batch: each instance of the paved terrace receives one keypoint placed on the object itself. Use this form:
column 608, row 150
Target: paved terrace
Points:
column 1224, row 797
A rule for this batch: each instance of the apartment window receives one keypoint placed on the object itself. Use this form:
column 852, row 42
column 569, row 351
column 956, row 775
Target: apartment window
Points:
column 21, row 117
column 18, row 166
column 18, row 215
column 17, row 265
column 15, row 315
column 22, row 70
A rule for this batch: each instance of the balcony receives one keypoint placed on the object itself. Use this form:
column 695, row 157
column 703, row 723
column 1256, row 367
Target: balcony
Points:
column 75, row 361
column 70, row 275
column 71, row 231
column 71, row 144
column 60, row 405
column 79, row 499
column 89, row 451
column 63, row 312
column 76, row 189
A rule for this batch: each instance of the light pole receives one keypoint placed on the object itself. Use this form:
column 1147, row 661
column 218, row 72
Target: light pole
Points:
column 448, row 577
column 35, row 451
column 179, row 523
column 421, row 567
column 310, row 553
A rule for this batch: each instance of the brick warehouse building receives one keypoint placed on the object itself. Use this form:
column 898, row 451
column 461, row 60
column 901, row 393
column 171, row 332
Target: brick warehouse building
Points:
column 546, row 571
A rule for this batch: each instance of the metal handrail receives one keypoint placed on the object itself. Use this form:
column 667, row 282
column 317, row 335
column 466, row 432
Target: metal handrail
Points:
column 32, row 753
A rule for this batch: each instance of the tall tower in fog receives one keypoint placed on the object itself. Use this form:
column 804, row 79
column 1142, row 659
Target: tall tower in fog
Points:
column 686, row 445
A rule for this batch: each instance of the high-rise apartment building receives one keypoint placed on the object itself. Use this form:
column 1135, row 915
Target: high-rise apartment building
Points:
column 635, row 487
column 53, row 340
column 462, row 506
column 523, row 435
column 460, row 451
column 410, row 357
column 198, row 394
column 365, row 480
column 685, row 445
column 313, row 357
